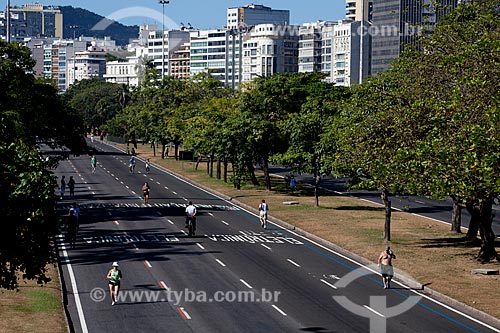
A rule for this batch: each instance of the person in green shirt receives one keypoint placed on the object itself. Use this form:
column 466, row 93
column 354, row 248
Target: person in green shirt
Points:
column 114, row 276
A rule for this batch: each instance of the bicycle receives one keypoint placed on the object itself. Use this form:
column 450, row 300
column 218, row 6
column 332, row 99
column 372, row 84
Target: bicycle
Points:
column 191, row 225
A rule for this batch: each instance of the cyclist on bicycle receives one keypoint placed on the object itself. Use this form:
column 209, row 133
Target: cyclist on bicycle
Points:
column 191, row 215
column 148, row 166
column 131, row 164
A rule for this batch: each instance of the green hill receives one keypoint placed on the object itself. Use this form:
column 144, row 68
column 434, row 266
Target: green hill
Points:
column 85, row 20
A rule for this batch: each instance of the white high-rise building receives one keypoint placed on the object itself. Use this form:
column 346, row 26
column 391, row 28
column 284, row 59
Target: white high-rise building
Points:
column 212, row 51
column 359, row 10
column 269, row 49
column 158, row 47
column 126, row 72
column 89, row 64
column 344, row 58
column 310, row 46
column 250, row 15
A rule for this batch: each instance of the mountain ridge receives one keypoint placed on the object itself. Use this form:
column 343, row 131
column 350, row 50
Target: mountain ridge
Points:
column 84, row 20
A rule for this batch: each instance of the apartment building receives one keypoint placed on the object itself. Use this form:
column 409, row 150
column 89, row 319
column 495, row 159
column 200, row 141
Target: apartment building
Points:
column 161, row 46
column 359, row 10
column 33, row 20
column 269, row 49
column 88, row 64
column 250, row 15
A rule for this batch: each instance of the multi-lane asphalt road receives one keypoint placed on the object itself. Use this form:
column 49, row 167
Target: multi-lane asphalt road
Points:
column 233, row 276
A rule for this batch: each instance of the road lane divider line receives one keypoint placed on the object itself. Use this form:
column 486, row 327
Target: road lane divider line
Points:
column 116, row 222
column 174, row 192
column 166, row 188
column 184, row 232
column 246, row 283
column 147, row 264
column 163, row 285
column 158, row 183
column 225, row 222
column 279, row 310
column 372, row 310
column 220, row 262
column 183, row 313
column 265, row 246
column 169, row 221
column 328, row 284
column 185, row 199
column 200, row 246
column 78, row 303
column 210, row 214
column 293, row 262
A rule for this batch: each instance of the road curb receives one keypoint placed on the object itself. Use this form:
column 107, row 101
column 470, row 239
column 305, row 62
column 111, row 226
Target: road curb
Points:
column 411, row 283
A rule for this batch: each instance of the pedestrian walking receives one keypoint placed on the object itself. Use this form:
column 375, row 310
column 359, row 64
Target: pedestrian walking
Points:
column 145, row 192
column 92, row 137
column 263, row 209
column 131, row 164
column 148, row 166
column 114, row 278
column 292, row 182
column 71, row 186
column 63, row 186
column 93, row 162
column 385, row 265
column 72, row 227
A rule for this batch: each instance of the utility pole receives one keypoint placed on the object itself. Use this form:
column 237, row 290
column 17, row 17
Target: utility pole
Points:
column 163, row 3
column 8, row 21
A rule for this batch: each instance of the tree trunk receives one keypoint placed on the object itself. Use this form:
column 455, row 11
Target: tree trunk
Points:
column 474, row 221
column 198, row 160
column 211, row 166
column 163, row 148
column 487, row 252
column 267, row 179
column 456, row 216
column 154, row 149
column 317, row 180
column 176, row 150
column 208, row 165
column 225, row 170
column 219, row 172
column 388, row 212
column 251, row 171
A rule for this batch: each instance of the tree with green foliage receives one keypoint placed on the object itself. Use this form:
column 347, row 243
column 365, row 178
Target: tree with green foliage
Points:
column 30, row 110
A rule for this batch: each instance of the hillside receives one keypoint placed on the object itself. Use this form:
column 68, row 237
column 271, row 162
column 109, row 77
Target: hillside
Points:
column 85, row 20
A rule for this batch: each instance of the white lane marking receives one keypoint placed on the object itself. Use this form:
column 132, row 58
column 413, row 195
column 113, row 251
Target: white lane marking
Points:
column 110, row 214
column 169, row 221
column 293, row 262
column 183, row 313
column 221, row 263
column 185, row 233
column 174, row 192
column 245, row 283
column 121, row 183
column 89, row 188
column 151, row 179
column 147, row 264
column 185, row 199
column 93, row 193
column 377, row 313
column 116, row 222
column 112, row 175
column 127, row 186
column 267, row 247
column 200, row 246
column 135, row 247
column 133, row 192
column 75, row 290
column 279, row 310
column 163, row 285
column 210, row 214
column 225, row 222
column 328, row 284
column 145, row 175
column 166, row 188
column 158, row 183
column 420, row 202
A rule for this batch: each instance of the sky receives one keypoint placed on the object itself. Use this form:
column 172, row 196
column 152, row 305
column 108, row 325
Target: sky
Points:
column 202, row 14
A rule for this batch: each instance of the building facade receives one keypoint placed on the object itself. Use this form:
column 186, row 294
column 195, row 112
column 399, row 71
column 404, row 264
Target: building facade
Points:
column 88, row 64
column 398, row 24
column 33, row 20
column 248, row 16
column 359, row 10
column 126, row 71
column 269, row 49
column 160, row 47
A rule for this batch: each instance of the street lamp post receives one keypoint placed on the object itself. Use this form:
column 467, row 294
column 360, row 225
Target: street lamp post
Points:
column 163, row 3
column 8, row 22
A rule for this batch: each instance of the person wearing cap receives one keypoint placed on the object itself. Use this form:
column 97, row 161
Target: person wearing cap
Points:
column 385, row 264
column 114, row 276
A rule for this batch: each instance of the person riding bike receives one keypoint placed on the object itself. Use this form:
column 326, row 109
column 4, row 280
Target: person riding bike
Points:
column 131, row 164
column 148, row 166
column 191, row 216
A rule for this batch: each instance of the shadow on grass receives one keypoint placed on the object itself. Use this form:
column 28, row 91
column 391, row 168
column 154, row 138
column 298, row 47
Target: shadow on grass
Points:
column 462, row 242
column 361, row 208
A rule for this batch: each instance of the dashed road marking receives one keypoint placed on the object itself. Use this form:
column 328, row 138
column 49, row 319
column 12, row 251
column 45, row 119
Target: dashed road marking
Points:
column 225, row 222
column 169, row 221
column 328, row 284
column 116, row 222
column 265, row 246
column 377, row 313
column 200, row 246
column 245, row 283
column 279, row 310
column 210, row 214
column 183, row 313
column 293, row 262
column 147, row 264
column 163, row 285
column 220, row 263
